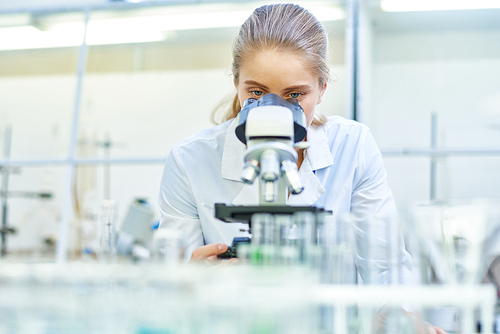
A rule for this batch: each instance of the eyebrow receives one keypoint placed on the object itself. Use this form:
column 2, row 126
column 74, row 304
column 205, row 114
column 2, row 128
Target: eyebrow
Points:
column 251, row 82
column 298, row 87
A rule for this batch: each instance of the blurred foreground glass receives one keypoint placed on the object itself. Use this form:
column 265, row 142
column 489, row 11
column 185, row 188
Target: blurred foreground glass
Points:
column 168, row 246
column 107, row 250
column 379, row 250
column 456, row 240
column 336, row 239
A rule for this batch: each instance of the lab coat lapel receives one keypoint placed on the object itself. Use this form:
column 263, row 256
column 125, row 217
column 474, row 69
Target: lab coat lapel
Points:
column 249, row 194
column 313, row 189
column 232, row 166
column 318, row 153
column 233, row 155
column 318, row 156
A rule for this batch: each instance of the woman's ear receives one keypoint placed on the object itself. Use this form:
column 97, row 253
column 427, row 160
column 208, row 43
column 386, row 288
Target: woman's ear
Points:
column 322, row 89
column 235, row 82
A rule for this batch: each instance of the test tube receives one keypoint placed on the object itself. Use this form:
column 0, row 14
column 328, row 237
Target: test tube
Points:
column 287, row 253
column 309, row 249
column 337, row 240
column 262, row 245
column 244, row 253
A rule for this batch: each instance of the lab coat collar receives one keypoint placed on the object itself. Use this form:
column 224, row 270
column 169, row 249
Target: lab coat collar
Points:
column 318, row 154
column 233, row 155
column 233, row 159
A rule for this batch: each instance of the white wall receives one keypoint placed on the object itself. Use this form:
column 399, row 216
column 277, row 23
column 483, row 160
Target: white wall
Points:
column 454, row 74
column 145, row 115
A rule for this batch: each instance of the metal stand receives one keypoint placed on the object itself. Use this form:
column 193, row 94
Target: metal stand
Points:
column 5, row 229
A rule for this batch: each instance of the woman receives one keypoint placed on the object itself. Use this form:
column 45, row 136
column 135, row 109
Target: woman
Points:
column 280, row 49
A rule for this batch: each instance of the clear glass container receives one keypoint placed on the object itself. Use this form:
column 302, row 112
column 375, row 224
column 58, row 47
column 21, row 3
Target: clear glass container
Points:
column 107, row 250
column 168, row 246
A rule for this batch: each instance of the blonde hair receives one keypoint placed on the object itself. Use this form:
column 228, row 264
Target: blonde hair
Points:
column 281, row 27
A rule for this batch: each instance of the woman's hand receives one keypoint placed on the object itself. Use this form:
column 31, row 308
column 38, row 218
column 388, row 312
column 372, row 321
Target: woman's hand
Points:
column 435, row 330
column 422, row 327
column 208, row 254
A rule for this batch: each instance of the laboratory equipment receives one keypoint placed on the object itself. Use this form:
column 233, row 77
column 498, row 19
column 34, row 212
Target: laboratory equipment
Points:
column 136, row 230
column 232, row 251
column 271, row 128
column 5, row 194
column 153, row 298
column 379, row 249
column 453, row 243
column 107, row 237
column 167, row 247
column 457, row 239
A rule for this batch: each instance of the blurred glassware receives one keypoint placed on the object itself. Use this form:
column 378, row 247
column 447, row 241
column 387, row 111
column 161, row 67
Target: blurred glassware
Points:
column 107, row 250
column 379, row 249
column 336, row 239
column 168, row 246
column 456, row 239
column 262, row 247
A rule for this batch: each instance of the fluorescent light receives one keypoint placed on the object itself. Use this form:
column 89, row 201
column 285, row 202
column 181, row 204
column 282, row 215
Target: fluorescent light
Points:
column 187, row 21
column 432, row 5
column 15, row 20
column 29, row 37
column 101, row 32
column 133, row 29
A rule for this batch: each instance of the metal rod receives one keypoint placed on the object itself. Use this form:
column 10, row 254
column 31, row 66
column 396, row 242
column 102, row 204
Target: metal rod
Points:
column 387, row 153
column 107, row 167
column 433, row 177
column 5, row 189
column 422, row 295
column 83, row 161
column 351, row 57
column 438, row 152
column 355, row 58
column 62, row 241
column 27, row 194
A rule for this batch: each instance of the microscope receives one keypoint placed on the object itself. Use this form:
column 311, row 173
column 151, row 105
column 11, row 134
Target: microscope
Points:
column 271, row 128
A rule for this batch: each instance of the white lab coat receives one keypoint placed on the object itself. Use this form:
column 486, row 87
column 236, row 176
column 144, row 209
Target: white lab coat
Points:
column 342, row 171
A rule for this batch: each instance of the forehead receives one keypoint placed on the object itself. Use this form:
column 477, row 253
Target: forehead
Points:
column 278, row 67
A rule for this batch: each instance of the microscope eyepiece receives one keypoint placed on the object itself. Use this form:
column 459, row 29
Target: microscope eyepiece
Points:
column 292, row 104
